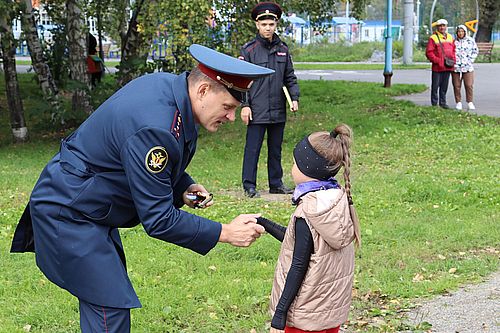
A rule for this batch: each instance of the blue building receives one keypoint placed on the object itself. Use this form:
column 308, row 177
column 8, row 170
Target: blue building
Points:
column 374, row 30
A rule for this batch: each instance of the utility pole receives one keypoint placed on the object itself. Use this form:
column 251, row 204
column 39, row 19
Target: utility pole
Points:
column 408, row 32
column 418, row 20
column 388, row 47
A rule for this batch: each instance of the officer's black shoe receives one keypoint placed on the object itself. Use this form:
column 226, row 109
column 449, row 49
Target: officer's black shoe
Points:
column 252, row 192
column 444, row 106
column 281, row 190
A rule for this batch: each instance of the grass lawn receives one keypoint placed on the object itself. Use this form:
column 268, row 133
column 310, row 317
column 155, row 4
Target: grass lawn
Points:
column 425, row 182
column 109, row 63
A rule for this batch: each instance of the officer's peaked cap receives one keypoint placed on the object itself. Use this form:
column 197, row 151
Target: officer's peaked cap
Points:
column 235, row 74
column 266, row 10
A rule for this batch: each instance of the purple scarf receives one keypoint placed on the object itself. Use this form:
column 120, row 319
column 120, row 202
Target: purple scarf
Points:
column 312, row 186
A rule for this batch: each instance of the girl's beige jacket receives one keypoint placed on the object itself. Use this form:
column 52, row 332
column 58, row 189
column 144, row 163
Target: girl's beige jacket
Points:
column 324, row 298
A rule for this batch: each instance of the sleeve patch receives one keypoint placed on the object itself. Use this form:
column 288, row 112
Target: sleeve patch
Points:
column 156, row 159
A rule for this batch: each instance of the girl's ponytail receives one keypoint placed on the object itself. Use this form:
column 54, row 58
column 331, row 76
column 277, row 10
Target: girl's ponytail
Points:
column 343, row 133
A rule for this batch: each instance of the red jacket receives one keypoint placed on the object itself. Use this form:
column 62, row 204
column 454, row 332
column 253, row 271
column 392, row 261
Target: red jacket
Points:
column 434, row 51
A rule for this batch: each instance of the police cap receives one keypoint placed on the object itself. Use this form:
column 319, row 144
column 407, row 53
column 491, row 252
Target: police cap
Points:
column 266, row 10
column 234, row 74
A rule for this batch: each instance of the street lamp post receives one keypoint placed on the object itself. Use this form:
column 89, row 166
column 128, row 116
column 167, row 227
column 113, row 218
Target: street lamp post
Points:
column 388, row 47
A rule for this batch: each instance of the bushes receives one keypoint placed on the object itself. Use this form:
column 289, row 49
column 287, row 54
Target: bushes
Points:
column 346, row 52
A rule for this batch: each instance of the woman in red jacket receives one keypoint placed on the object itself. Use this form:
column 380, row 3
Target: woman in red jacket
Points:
column 441, row 53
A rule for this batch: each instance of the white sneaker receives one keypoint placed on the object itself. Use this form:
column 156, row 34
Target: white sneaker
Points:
column 459, row 106
column 471, row 106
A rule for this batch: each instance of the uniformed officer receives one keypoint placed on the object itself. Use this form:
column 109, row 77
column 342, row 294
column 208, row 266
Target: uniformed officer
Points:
column 265, row 109
column 126, row 165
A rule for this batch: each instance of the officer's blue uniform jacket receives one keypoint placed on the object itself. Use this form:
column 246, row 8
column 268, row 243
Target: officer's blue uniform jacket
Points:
column 104, row 178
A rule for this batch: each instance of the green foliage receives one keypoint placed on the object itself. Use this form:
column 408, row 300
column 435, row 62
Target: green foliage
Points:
column 57, row 56
column 178, row 24
column 341, row 51
column 426, row 196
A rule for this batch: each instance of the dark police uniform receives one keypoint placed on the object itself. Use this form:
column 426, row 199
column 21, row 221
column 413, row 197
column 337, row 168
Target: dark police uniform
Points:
column 267, row 100
column 123, row 166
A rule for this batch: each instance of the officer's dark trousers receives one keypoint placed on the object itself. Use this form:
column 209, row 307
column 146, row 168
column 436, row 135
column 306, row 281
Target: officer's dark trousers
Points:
column 439, row 83
column 101, row 319
column 255, row 137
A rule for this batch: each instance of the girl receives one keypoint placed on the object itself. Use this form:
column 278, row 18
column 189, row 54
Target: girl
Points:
column 466, row 53
column 315, row 270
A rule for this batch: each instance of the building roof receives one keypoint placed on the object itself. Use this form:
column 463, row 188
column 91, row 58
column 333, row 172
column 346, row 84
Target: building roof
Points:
column 343, row 20
column 381, row 23
column 294, row 20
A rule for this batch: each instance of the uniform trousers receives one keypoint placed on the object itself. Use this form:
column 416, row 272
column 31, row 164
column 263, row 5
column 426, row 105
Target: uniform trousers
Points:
column 456, row 80
column 440, row 81
column 254, row 139
column 102, row 319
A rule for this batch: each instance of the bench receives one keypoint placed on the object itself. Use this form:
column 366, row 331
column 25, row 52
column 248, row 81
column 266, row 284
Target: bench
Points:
column 485, row 49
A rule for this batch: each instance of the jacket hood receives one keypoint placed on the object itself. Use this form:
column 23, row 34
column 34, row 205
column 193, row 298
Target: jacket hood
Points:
column 461, row 26
column 328, row 213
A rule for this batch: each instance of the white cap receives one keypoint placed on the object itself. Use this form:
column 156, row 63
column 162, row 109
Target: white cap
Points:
column 441, row 22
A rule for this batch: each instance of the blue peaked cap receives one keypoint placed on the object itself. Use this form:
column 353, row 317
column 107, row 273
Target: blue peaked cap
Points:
column 234, row 74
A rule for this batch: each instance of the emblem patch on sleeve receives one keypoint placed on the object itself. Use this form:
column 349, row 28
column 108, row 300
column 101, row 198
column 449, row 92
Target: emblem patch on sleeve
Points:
column 156, row 159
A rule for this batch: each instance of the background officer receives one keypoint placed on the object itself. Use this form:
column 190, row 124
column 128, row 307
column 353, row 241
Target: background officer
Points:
column 126, row 165
column 265, row 109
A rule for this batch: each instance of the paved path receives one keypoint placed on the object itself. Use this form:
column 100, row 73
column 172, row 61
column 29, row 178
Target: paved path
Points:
column 486, row 86
column 472, row 309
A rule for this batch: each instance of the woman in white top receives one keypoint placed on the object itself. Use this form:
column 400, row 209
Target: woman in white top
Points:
column 466, row 52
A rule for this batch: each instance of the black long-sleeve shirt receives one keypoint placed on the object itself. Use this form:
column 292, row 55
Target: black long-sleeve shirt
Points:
column 302, row 251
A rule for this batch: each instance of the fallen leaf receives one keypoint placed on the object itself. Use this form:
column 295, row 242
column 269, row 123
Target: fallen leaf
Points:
column 418, row 277
column 440, row 256
column 452, row 270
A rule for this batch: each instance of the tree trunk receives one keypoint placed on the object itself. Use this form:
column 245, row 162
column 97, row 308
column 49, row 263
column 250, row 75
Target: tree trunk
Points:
column 77, row 41
column 99, row 29
column 488, row 14
column 17, row 123
column 122, row 24
column 131, row 47
column 42, row 70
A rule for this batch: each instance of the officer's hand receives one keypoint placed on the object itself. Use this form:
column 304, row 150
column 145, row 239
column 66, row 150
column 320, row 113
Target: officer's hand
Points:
column 295, row 106
column 195, row 188
column 275, row 330
column 242, row 231
column 246, row 114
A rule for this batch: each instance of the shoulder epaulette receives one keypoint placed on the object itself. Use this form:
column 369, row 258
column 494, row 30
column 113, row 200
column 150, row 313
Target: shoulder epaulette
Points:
column 175, row 128
column 249, row 43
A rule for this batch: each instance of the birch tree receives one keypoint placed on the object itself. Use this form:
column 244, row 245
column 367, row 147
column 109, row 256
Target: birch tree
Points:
column 42, row 70
column 77, row 44
column 8, row 49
